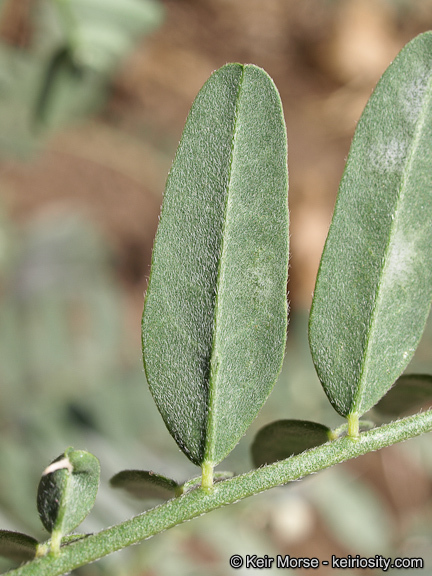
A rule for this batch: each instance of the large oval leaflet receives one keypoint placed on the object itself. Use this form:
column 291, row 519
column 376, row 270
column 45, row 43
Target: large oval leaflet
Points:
column 373, row 296
column 215, row 313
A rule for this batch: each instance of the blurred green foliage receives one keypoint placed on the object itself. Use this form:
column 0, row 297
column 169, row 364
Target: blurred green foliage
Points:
column 64, row 73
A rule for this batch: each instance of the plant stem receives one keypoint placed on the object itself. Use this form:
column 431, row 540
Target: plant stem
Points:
column 353, row 425
column 207, row 476
column 56, row 538
column 199, row 501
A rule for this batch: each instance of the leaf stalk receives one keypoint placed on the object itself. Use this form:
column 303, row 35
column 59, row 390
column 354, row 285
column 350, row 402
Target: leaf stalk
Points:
column 353, row 425
column 207, row 476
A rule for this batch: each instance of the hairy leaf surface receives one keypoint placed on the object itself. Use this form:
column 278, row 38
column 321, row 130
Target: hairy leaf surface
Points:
column 285, row 438
column 214, row 321
column 17, row 546
column 67, row 491
column 374, row 285
column 145, row 485
column 408, row 394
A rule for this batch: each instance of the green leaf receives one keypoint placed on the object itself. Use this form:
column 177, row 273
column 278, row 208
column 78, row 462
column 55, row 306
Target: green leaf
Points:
column 106, row 30
column 215, row 314
column 408, row 394
column 374, row 285
column 67, row 492
column 148, row 485
column 145, row 485
column 60, row 59
column 68, row 91
column 285, row 438
column 16, row 546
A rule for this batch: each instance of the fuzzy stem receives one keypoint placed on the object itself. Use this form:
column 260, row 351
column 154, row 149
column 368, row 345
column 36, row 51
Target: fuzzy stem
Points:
column 353, row 425
column 207, row 476
column 56, row 538
column 198, row 502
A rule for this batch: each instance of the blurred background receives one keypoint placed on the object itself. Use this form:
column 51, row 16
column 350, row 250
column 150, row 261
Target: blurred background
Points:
column 93, row 98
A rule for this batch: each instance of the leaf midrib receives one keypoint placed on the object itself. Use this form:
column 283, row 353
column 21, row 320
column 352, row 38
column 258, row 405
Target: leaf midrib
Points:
column 214, row 361
column 358, row 397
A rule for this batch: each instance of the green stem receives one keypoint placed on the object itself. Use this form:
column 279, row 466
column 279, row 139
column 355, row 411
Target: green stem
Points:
column 353, row 425
column 56, row 538
column 198, row 502
column 362, row 425
column 207, row 476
